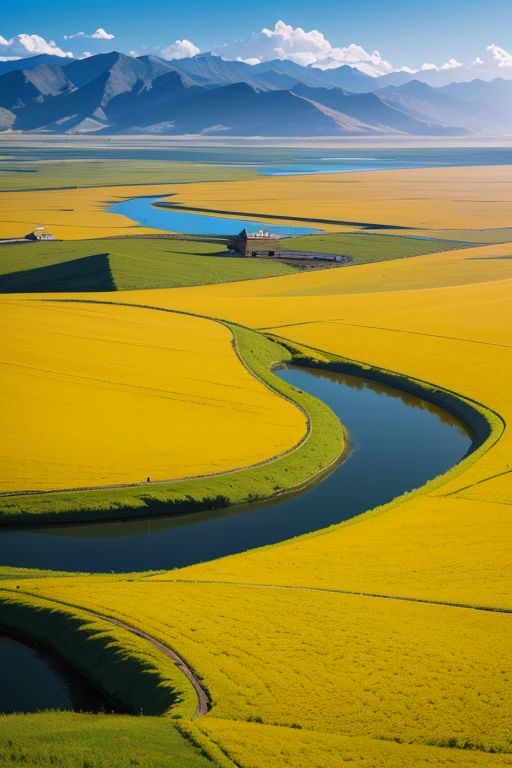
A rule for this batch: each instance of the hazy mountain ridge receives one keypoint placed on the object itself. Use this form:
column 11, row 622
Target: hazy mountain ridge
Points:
column 206, row 94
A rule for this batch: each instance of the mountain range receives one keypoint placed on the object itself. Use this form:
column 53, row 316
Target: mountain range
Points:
column 114, row 93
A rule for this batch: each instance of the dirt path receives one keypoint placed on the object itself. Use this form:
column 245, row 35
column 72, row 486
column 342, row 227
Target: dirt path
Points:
column 203, row 702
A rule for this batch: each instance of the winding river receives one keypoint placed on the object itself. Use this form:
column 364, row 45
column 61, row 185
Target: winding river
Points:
column 399, row 442
column 142, row 210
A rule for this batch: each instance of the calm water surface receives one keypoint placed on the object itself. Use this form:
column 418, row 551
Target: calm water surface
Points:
column 399, row 442
column 33, row 680
column 270, row 159
column 142, row 210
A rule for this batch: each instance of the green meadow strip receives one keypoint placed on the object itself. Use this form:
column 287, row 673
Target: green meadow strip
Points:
column 320, row 449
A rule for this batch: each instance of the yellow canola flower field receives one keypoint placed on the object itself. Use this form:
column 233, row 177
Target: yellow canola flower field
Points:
column 79, row 214
column 96, row 395
column 260, row 746
column 303, row 666
column 454, row 542
column 73, row 214
column 316, row 295
column 345, row 664
column 427, row 198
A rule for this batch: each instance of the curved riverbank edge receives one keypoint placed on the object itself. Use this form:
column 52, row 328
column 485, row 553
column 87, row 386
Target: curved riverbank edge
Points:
column 485, row 425
column 184, row 208
column 64, row 671
column 279, row 476
column 111, row 655
column 320, row 449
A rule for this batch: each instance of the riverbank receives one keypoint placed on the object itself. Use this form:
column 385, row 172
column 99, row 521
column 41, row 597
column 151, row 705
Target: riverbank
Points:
column 321, row 447
column 321, row 450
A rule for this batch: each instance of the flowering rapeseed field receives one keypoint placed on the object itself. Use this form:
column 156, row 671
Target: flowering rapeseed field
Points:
column 71, row 214
column 150, row 394
column 430, row 198
column 333, row 648
column 345, row 664
column 260, row 746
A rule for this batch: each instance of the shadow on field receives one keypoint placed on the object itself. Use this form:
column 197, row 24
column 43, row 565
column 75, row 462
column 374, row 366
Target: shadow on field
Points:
column 91, row 273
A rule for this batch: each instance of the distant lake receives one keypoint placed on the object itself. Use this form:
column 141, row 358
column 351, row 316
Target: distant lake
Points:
column 142, row 210
column 275, row 160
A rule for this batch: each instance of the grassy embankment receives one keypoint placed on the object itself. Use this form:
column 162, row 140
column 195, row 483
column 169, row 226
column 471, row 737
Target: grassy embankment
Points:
column 323, row 446
column 163, row 393
column 131, row 672
column 134, row 676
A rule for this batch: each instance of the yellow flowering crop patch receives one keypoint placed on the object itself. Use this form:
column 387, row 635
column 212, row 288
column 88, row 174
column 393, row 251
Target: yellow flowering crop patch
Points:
column 443, row 545
column 96, row 395
column 427, row 198
column 345, row 664
column 329, row 677
column 72, row 214
column 260, row 746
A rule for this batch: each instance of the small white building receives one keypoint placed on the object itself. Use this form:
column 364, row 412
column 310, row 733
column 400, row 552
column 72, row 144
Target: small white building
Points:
column 44, row 236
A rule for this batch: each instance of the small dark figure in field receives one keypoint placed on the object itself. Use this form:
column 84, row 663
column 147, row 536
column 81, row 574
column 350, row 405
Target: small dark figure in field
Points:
column 148, row 480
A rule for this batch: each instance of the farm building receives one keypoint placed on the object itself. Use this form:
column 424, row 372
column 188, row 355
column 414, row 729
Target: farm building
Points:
column 40, row 234
column 259, row 244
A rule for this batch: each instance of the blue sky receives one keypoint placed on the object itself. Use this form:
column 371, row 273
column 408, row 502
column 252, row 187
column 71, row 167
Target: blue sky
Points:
column 408, row 33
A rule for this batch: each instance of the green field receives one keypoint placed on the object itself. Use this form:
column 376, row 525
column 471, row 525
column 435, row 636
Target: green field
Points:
column 18, row 174
column 71, row 740
column 124, row 264
column 365, row 247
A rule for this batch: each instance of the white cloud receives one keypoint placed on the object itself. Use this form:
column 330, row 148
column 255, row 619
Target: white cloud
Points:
column 452, row 64
column 23, row 46
column 312, row 48
column 254, row 60
column 100, row 34
column 500, row 55
column 305, row 48
column 180, row 49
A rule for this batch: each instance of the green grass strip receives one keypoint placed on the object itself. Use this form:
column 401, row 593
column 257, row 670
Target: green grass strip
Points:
column 295, row 469
column 128, row 669
column 78, row 740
